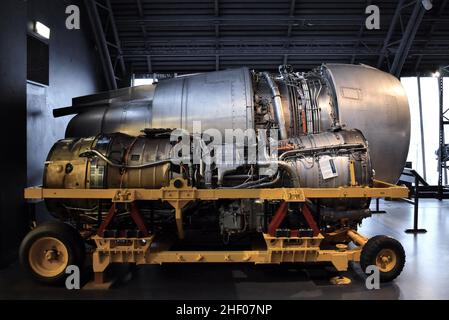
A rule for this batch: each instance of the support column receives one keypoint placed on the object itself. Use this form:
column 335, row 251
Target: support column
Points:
column 423, row 148
column 13, row 163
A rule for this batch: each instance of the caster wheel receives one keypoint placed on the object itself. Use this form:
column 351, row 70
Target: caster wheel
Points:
column 47, row 250
column 386, row 253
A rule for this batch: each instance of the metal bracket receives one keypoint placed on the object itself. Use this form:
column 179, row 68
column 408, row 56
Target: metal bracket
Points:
column 125, row 196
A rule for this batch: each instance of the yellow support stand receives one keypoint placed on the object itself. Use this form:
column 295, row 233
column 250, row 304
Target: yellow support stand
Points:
column 178, row 194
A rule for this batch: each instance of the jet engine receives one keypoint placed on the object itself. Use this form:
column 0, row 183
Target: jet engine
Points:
column 338, row 125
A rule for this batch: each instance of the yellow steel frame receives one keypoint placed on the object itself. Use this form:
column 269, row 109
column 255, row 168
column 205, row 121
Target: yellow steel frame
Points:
column 379, row 189
column 278, row 249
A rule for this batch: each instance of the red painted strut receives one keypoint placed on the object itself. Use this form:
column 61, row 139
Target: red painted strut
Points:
column 280, row 214
column 277, row 218
column 310, row 220
column 135, row 215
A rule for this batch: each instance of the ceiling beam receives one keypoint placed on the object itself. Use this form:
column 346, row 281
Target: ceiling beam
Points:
column 291, row 15
column 330, row 51
column 248, row 39
column 216, row 8
column 100, row 40
column 144, row 33
column 305, row 39
column 238, row 52
column 407, row 38
column 281, row 20
column 430, row 32
column 237, row 20
column 360, row 34
column 217, row 14
column 217, row 34
column 116, row 38
column 394, row 21
column 140, row 8
column 149, row 64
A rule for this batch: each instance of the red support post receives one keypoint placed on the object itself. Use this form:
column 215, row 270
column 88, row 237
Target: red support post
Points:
column 135, row 215
column 107, row 221
column 277, row 218
column 138, row 219
column 310, row 220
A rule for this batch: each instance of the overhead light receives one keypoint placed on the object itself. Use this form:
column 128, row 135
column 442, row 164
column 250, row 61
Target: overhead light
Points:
column 42, row 30
column 427, row 4
column 436, row 74
column 143, row 81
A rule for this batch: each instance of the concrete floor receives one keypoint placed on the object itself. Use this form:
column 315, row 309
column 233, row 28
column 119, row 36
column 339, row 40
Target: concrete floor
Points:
column 425, row 276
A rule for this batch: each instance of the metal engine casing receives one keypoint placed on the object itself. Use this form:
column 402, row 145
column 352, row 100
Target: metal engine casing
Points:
column 339, row 125
column 65, row 168
column 331, row 96
column 316, row 149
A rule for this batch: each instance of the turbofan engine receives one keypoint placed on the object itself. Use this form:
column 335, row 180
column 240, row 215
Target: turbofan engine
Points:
column 292, row 129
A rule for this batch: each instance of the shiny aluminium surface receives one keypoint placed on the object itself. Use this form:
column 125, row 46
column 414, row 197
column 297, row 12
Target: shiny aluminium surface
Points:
column 126, row 110
column 308, row 165
column 375, row 103
column 355, row 96
column 126, row 117
column 220, row 100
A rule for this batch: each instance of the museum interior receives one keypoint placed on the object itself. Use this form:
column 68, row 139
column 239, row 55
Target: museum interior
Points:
column 224, row 149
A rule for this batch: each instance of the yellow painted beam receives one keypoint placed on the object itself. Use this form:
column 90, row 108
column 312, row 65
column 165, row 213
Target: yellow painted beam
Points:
column 380, row 189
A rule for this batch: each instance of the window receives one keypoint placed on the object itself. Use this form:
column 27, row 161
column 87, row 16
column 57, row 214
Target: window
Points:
column 430, row 112
column 37, row 60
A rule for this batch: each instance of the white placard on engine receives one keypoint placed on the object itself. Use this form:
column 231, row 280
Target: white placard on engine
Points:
column 328, row 169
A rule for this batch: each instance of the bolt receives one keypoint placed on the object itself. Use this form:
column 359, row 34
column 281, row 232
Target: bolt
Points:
column 50, row 255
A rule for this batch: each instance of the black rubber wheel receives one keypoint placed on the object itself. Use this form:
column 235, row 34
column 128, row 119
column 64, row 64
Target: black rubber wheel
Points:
column 386, row 253
column 47, row 250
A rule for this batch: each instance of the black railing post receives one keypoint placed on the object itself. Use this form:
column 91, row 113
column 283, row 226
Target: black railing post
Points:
column 415, row 229
column 377, row 211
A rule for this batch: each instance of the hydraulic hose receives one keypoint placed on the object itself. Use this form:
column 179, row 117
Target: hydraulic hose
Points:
column 98, row 154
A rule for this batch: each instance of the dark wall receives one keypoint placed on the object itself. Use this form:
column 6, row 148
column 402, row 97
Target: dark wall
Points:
column 74, row 71
column 28, row 129
column 13, row 127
